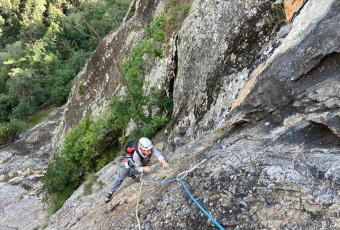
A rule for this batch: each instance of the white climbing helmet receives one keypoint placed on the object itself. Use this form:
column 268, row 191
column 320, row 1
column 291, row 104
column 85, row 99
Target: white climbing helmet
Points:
column 144, row 144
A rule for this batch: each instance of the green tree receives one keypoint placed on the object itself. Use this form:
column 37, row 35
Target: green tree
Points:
column 21, row 86
column 42, row 55
column 9, row 130
column 9, row 21
column 6, row 104
column 83, row 143
column 32, row 20
column 59, row 84
column 2, row 22
column 22, row 110
column 9, row 58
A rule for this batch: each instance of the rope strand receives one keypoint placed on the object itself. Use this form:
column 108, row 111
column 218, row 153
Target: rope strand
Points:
column 140, row 191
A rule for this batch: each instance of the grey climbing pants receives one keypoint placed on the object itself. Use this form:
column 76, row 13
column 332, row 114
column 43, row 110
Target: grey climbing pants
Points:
column 121, row 176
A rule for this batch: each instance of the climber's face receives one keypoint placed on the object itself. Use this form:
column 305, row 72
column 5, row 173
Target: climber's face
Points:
column 146, row 152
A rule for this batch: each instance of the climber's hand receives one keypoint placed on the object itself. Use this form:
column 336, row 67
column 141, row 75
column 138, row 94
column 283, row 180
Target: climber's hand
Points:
column 146, row 169
column 165, row 164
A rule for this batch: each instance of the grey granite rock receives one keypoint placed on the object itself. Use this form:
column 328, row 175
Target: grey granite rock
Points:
column 257, row 98
column 23, row 163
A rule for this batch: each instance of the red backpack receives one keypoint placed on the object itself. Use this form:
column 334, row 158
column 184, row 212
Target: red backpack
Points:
column 130, row 148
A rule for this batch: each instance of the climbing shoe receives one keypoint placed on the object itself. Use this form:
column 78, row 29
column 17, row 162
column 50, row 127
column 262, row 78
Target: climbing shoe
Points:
column 108, row 197
column 132, row 176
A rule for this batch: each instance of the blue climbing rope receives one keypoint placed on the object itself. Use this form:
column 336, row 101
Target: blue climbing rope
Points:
column 187, row 190
column 196, row 202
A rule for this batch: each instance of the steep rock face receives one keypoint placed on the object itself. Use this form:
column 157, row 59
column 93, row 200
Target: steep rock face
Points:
column 273, row 161
column 22, row 164
column 99, row 78
column 218, row 46
column 227, row 67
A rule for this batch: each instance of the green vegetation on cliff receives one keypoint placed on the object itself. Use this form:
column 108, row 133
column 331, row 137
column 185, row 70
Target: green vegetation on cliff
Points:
column 84, row 148
column 137, row 104
column 89, row 145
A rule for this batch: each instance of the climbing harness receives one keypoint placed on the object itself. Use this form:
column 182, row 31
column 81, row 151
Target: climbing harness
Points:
column 178, row 178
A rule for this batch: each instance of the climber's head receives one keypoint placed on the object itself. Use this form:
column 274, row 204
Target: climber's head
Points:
column 145, row 146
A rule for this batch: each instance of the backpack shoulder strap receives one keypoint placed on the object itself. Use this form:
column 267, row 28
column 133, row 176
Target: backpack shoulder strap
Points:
column 139, row 154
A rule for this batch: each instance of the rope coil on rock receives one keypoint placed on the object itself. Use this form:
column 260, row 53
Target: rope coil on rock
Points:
column 178, row 178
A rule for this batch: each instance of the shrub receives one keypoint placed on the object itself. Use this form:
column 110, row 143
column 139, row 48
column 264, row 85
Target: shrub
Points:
column 150, row 128
column 22, row 110
column 8, row 131
column 6, row 104
column 6, row 178
column 82, row 145
column 81, row 89
column 16, row 127
column 156, row 30
column 4, row 133
column 61, row 179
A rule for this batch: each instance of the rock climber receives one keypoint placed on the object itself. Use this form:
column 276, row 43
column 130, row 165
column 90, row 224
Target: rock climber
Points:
column 136, row 163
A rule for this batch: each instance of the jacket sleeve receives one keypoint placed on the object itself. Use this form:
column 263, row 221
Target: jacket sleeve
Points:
column 138, row 163
column 157, row 154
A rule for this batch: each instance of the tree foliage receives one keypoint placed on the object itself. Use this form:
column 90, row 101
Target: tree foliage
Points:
column 82, row 144
column 44, row 44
